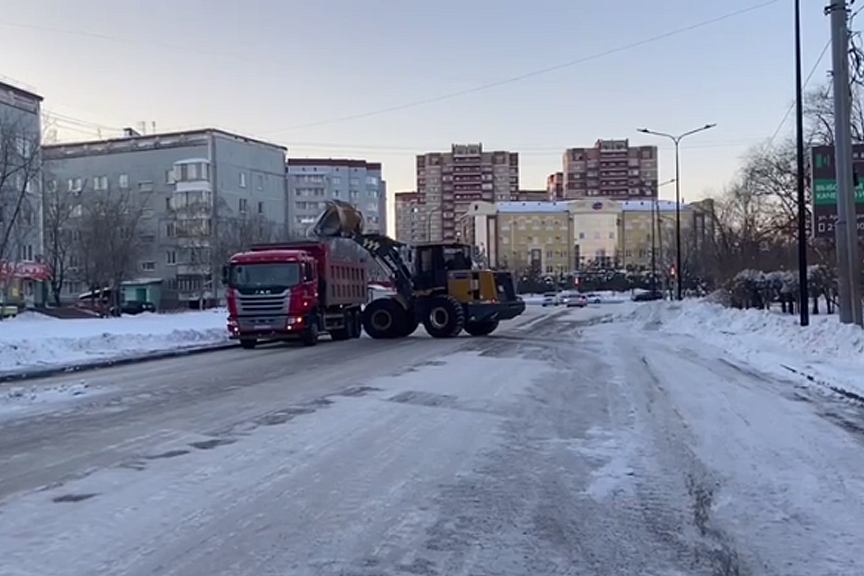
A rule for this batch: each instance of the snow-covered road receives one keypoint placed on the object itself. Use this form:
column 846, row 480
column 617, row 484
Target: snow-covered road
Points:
column 562, row 445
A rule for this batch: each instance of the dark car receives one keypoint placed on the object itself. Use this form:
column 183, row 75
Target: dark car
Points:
column 137, row 307
column 648, row 296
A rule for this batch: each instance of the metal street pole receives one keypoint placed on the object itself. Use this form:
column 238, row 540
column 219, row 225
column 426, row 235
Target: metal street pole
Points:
column 677, row 140
column 803, row 297
column 846, row 229
column 655, row 225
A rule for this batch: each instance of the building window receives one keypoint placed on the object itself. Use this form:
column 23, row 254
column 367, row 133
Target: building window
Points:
column 260, row 182
column 242, row 180
column 123, row 181
column 171, row 257
column 148, row 266
column 260, row 207
column 170, row 230
column 146, row 186
column 169, row 176
column 25, row 252
column 100, row 183
column 581, row 235
column 74, row 184
column 243, row 205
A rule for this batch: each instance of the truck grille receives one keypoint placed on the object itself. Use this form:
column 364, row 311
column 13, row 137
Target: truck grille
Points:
column 262, row 304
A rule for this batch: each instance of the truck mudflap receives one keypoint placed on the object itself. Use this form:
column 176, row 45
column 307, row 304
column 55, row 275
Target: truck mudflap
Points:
column 487, row 311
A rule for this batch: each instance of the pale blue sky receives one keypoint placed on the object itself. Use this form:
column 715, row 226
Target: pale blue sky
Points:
column 265, row 67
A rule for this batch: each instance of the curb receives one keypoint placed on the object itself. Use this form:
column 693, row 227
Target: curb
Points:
column 833, row 387
column 38, row 373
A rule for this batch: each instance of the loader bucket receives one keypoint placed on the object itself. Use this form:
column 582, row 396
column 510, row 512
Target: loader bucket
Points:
column 339, row 220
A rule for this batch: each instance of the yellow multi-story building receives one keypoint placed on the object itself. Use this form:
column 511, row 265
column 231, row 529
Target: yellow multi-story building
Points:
column 636, row 236
column 522, row 235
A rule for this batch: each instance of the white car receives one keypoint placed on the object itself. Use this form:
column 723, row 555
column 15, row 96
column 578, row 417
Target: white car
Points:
column 575, row 301
column 593, row 298
column 551, row 299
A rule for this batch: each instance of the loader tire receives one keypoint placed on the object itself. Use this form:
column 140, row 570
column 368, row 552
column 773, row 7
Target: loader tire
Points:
column 409, row 324
column 481, row 328
column 383, row 319
column 444, row 317
column 347, row 330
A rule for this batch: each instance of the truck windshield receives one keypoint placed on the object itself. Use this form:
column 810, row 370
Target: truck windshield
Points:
column 265, row 275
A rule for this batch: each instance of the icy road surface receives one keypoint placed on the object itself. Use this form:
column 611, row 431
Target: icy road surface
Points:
column 561, row 445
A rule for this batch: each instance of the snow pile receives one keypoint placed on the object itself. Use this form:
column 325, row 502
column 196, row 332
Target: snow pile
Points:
column 36, row 341
column 770, row 340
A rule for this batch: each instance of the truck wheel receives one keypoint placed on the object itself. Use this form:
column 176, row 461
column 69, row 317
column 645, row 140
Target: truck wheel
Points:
column 383, row 318
column 481, row 328
column 444, row 317
column 356, row 325
column 347, row 330
column 310, row 334
column 248, row 344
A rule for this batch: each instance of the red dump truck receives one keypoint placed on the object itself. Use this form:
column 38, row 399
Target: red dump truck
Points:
column 293, row 290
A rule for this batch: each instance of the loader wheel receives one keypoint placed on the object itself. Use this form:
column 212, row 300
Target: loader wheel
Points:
column 481, row 328
column 444, row 317
column 383, row 318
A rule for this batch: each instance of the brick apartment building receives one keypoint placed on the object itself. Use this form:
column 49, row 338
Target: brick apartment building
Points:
column 449, row 182
column 610, row 169
column 411, row 217
column 555, row 186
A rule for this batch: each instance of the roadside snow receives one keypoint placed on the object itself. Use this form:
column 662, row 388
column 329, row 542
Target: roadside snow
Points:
column 33, row 341
column 827, row 351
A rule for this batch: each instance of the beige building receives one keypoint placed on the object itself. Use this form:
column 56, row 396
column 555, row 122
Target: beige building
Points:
column 635, row 232
column 596, row 230
column 411, row 218
column 449, row 182
column 522, row 235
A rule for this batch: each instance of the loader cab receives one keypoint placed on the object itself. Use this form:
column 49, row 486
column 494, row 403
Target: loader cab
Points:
column 432, row 262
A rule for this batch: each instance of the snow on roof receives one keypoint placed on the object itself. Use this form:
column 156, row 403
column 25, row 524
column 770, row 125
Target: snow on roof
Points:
column 646, row 205
column 535, row 206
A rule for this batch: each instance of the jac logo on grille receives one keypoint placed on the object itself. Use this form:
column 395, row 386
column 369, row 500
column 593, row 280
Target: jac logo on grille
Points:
column 263, row 291
column 597, row 206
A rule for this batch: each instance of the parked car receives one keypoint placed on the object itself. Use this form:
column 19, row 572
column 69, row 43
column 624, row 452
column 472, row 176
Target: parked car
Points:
column 136, row 307
column 551, row 299
column 593, row 298
column 648, row 296
column 575, row 301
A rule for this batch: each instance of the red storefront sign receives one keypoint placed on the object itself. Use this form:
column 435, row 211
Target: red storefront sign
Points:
column 28, row 270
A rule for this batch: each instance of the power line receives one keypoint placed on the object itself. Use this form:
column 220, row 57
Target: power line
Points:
column 804, row 86
column 534, row 73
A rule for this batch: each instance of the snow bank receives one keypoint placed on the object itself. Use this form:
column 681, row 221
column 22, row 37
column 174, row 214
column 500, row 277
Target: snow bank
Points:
column 770, row 340
column 36, row 341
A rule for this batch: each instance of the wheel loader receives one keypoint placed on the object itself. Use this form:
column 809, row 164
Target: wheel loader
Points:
column 439, row 287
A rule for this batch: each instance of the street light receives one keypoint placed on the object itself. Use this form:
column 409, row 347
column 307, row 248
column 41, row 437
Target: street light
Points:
column 677, row 140
column 803, row 296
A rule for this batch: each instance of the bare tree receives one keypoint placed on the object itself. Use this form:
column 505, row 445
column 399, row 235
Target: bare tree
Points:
column 107, row 231
column 58, row 206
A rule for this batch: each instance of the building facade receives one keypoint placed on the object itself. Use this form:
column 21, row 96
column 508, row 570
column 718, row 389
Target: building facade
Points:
column 596, row 231
column 532, row 196
column 202, row 195
column 610, row 169
column 23, row 271
column 450, row 182
column 522, row 236
column 411, row 217
column 636, row 241
column 313, row 181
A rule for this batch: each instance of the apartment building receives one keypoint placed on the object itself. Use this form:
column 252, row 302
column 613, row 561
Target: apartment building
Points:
column 522, row 235
column 411, row 217
column 596, row 231
column 313, row 181
column 610, row 169
column 22, row 269
column 449, row 182
column 203, row 193
column 555, row 186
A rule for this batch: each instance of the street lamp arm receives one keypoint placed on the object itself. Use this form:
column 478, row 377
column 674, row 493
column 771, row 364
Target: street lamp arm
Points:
column 697, row 130
column 663, row 134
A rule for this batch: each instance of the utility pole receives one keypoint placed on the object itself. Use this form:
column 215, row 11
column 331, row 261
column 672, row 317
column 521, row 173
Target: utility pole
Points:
column 846, row 229
column 803, row 296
